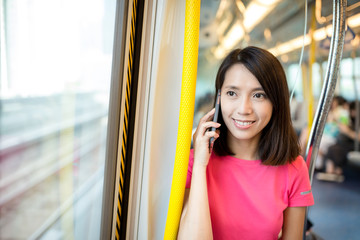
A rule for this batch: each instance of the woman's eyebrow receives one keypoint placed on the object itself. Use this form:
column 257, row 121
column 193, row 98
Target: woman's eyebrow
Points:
column 258, row 89
column 231, row 87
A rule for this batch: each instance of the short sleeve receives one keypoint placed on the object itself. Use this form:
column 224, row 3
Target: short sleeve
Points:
column 190, row 167
column 299, row 188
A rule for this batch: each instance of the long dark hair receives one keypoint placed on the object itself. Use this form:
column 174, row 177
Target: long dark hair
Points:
column 278, row 143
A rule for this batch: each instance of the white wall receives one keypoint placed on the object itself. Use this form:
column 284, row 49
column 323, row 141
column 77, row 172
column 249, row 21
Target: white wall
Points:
column 164, row 105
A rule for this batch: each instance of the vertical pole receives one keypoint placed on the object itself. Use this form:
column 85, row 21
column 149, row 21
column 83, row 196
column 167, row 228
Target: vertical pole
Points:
column 311, row 63
column 327, row 93
column 187, row 101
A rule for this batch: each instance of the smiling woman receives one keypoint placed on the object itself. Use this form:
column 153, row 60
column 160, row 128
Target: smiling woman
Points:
column 254, row 185
column 246, row 110
column 262, row 67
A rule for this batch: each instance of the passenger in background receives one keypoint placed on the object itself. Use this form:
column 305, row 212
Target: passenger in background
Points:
column 298, row 114
column 338, row 115
column 251, row 182
column 336, row 157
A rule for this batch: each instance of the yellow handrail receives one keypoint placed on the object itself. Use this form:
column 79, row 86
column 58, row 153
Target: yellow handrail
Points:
column 187, row 102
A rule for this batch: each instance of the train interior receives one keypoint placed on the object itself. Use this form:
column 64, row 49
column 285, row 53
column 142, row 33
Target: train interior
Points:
column 87, row 149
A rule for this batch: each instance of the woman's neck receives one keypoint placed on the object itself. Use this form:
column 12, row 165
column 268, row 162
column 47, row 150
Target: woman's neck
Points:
column 242, row 149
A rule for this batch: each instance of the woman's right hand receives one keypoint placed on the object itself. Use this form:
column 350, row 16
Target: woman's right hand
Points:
column 202, row 137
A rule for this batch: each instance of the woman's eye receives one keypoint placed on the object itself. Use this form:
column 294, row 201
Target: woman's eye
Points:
column 259, row 95
column 230, row 93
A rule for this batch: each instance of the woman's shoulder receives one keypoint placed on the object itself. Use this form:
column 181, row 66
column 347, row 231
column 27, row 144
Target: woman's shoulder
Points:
column 298, row 171
column 298, row 164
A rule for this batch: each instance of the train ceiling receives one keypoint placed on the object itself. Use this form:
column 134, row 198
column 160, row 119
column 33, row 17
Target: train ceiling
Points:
column 272, row 24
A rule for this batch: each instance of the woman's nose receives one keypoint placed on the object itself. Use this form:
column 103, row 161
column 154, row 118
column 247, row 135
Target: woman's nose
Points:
column 245, row 106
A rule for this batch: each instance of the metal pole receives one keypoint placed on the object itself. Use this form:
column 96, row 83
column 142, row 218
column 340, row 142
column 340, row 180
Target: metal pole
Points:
column 335, row 54
column 327, row 93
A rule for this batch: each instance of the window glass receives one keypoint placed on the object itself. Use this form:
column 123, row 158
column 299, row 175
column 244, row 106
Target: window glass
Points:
column 56, row 61
column 294, row 77
column 316, row 80
column 347, row 85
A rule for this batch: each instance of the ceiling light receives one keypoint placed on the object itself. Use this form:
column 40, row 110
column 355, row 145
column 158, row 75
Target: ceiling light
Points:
column 222, row 8
column 256, row 12
column 219, row 52
column 319, row 34
column 240, row 6
column 224, row 24
column 290, row 45
column 354, row 21
column 233, row 36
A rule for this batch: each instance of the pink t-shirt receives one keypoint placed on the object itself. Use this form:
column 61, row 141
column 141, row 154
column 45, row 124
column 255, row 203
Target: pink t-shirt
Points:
column 247, row 199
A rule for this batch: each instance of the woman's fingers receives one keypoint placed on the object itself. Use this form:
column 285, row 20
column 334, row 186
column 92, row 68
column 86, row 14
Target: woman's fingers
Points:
column 208, row 125
column 213, row 138
column 207, row 116
column 203, row 134
column 211, row 134
column 205, row 122
column 202, row 137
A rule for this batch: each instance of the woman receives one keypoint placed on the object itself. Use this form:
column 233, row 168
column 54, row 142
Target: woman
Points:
column 252, row 183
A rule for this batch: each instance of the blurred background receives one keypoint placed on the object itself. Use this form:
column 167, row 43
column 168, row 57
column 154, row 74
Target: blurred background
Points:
column 279, row 27
column 56, row 63
column 56, row 59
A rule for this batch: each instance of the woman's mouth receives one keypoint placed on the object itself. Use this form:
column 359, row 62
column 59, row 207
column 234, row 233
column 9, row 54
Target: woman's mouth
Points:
column 243, row 124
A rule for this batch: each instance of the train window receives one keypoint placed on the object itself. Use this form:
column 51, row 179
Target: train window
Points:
column 294, row 77
column 317, row 80
column 348, row 72
column 56, row 59
column 345, row 84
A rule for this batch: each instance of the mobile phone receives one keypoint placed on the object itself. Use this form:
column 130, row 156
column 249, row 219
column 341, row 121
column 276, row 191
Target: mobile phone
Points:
column 216, row 114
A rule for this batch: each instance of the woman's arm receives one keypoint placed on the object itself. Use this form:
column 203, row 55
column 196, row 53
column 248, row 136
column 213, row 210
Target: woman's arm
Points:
column 293, row 227
column 195, row 221
column 346, row 130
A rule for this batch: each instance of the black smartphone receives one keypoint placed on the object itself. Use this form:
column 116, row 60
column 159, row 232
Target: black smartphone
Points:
column 216, row 114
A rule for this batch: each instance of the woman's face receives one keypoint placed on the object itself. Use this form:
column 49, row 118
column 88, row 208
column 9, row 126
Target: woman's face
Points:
column 245, row 108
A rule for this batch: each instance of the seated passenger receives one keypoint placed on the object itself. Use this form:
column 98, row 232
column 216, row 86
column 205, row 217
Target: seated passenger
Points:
column 339, row 114
column 336, row 157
